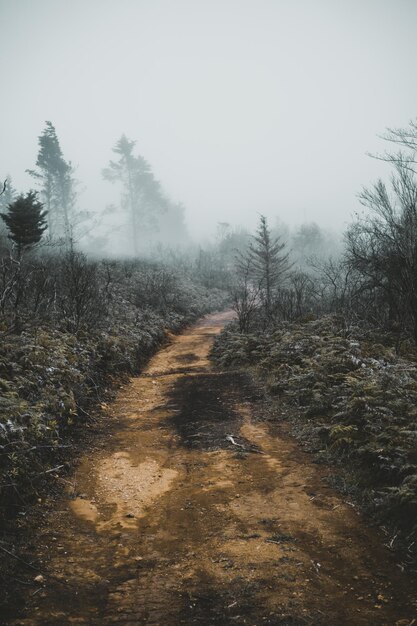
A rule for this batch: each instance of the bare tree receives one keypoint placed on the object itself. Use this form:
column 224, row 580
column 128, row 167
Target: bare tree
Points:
column 406, row 140
column 79, row 299
column 245, row 293
column 382, row 246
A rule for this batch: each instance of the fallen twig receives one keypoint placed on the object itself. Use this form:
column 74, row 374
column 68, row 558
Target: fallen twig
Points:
column 231, row 439
column 27, row 450
column 53, row 469
column 18, row 558
column 36, row 569
column 37, row 591
column 251, row 449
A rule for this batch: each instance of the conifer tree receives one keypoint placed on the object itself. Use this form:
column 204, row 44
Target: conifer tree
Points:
column 270, row 264
column 142, row 196
column 26, row 221
column 56, row 177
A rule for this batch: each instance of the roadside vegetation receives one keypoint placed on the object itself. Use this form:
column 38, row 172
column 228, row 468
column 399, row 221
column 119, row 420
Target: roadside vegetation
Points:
column 75, row 323
column 352, row 401
column 333, row 341
column 82, row 327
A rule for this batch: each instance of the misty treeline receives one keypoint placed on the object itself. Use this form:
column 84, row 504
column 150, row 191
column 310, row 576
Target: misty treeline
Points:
column 144, row 215
column 371, row 278
column 51, row 252
column 46, row 274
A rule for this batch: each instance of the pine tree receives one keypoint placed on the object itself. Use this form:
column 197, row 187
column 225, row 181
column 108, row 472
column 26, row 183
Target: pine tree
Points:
column 56, row 177
column 270, row 264
column 26, row 221
column 142, row 196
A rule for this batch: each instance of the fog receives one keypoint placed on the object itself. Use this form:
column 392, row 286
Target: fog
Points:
column 241, row 107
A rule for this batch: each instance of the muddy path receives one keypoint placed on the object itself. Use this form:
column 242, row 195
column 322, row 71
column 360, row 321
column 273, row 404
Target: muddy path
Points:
column 195, row 511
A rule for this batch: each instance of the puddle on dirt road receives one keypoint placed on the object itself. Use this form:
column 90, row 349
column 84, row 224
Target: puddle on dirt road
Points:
column 194, row 512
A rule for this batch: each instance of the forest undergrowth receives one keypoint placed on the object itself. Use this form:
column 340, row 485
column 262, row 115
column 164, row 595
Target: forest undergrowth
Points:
column 351, row 398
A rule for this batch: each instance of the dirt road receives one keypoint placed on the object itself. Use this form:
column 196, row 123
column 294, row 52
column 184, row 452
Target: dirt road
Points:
column 195, row 511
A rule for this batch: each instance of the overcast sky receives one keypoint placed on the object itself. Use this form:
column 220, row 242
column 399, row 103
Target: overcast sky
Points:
column 241, row 106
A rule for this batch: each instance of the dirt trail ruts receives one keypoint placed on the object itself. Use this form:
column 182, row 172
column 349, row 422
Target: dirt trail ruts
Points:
column 195, row 511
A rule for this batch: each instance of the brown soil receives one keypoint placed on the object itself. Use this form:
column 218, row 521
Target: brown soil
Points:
column 195, row 511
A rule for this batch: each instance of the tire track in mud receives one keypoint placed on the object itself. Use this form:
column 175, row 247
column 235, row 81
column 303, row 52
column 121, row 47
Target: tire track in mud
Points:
column 195, row 511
